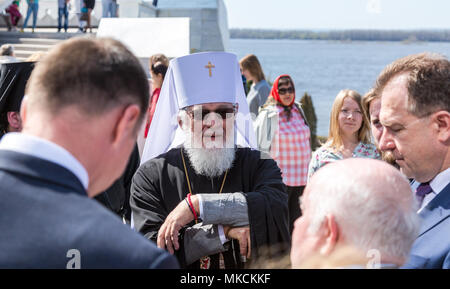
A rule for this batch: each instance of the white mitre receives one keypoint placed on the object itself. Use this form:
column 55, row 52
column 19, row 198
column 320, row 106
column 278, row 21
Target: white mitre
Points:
column 196, row 79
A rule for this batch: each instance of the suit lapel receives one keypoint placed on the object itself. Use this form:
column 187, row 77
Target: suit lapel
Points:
column 41, row 169
column 436, row 210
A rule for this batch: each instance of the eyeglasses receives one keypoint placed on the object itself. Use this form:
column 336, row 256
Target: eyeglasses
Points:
column 283, row 91
column 200, row 113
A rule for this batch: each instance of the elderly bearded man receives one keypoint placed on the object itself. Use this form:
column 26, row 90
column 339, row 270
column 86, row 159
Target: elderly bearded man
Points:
column 209, row 198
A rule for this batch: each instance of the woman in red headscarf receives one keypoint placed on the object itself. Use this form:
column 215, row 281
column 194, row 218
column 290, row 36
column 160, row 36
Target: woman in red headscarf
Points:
column 283, row 132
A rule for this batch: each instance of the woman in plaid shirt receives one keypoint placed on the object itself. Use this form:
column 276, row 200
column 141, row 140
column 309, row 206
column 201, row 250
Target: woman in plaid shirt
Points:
column 283, row 133
column 349, row 134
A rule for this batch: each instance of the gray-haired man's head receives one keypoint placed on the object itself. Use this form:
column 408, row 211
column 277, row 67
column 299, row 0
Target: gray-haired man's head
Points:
column 362, row 203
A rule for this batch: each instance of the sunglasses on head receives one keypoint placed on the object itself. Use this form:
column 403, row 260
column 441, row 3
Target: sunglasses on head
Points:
column 201, row 113
column 286, row 90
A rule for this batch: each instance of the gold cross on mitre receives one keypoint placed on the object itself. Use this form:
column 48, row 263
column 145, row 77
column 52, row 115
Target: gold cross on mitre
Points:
column 209, row 66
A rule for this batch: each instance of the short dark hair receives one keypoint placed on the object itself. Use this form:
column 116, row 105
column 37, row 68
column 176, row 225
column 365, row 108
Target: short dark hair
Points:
column 159, row 68
column 96, row 75
column 428, row 82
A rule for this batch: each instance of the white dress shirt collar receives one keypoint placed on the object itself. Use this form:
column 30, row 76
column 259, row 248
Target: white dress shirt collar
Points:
column 46, row 150
column 437, row 184
column 440, row 181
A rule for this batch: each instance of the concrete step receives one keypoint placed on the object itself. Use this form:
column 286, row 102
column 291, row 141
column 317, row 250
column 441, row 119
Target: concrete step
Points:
column 39, row 41
column 41, row 36
column 24, row 54
column 32, row 47
column 50, row 32
column 27, row 43
column 55, row 35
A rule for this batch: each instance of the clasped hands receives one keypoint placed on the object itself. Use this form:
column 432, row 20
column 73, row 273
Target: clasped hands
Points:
column 182, row 215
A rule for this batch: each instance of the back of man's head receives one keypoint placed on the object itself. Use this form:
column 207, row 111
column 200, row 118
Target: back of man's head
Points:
column 94, row 75
column 371, row 202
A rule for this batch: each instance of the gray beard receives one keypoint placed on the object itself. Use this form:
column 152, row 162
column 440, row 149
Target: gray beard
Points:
column 211, row 162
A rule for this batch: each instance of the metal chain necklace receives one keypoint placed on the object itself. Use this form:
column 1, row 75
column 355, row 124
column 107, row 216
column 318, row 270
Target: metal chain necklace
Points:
column 205, row 261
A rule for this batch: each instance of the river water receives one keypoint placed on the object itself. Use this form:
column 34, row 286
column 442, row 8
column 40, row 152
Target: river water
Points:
column 323, row 68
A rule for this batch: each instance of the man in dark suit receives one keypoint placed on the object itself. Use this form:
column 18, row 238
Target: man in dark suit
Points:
column 85, row 103
column 415, row 114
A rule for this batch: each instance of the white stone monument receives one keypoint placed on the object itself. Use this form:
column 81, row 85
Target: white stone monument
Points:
column 148, row 36
column 208, row 18
column 209, row 21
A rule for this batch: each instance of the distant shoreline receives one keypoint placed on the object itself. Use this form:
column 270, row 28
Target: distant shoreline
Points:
column 345, row 35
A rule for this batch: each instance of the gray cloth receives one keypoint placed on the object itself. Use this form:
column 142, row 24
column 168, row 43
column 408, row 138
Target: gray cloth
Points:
column 218, row 209
column 225, row 209
column 201, row 240
column 257, row 96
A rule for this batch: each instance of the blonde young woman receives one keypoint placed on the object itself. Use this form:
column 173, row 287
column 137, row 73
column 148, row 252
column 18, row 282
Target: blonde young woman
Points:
column 349, row 135
column 260, row 89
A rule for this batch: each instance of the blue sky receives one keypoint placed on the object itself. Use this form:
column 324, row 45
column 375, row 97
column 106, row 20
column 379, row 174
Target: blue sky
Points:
column 339, row 14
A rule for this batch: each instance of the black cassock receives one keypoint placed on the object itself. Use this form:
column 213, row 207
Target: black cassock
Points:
column 160, row 185
column 117, row 197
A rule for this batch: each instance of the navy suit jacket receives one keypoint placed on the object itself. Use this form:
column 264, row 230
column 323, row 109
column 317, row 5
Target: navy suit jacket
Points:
column 45, row 213
column 432, row 248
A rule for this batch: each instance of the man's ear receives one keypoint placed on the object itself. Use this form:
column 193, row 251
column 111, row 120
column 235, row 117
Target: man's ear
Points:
column 126, row 124
column 183, row 120
column 180, row 121
column 441, row 121
column 330, row 235
column 14, row 120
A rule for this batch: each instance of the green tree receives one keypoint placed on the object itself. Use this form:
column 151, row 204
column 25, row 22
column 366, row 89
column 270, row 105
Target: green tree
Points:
column 310, row 114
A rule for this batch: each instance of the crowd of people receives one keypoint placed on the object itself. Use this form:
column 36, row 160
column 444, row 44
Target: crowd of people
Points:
column 83, row 10
column 226, row 180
